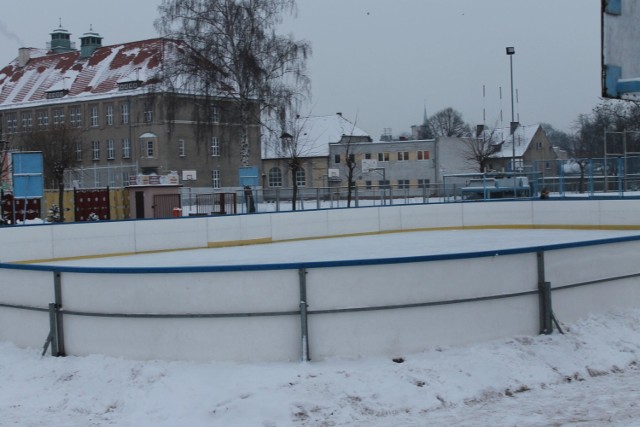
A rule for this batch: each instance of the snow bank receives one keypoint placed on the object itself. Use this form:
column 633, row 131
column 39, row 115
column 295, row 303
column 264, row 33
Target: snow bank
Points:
column 588, row 376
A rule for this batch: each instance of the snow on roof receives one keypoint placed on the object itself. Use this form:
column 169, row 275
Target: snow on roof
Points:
column 94, row 76
column 522, row 137
column 314, row 134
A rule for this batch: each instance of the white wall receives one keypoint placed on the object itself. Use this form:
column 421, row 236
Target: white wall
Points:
column 41, row 242
column 25, row 328
column 274, row 338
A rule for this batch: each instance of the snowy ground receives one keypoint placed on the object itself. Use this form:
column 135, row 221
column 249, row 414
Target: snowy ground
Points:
column 588, row 377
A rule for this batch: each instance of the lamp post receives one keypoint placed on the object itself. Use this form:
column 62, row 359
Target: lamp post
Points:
column 293, row 166
column 510, row 52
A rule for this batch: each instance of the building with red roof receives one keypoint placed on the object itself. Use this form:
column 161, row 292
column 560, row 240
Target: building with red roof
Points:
column 125, row 113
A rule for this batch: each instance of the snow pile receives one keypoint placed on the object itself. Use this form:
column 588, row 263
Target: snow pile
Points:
column 587, row 376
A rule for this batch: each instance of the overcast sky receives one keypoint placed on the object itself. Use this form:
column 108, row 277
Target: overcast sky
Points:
column 383, row 61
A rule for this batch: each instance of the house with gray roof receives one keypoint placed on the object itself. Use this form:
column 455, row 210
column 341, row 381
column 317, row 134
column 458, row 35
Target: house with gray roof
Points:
column 307, row 140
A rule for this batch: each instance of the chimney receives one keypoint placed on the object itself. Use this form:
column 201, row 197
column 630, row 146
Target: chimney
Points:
column 479, row 130
column 339, row 113
column 24, row 55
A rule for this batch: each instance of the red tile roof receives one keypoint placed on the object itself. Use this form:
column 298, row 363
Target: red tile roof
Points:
column 94, row 76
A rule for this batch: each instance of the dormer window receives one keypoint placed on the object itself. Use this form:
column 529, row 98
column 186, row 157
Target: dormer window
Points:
column 55, row 94
column 135, row 84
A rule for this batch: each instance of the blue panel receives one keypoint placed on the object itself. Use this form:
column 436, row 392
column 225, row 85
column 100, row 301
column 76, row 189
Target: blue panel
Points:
column 29, row 186
column 613, row 7
column 630, row 86
column 28, row 181
column 249, row 176
column 27, row 163
column 612, row 74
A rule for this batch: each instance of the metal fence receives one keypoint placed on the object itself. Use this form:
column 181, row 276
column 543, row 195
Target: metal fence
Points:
column 115, row 176
column 617, row 177
column 202, row 200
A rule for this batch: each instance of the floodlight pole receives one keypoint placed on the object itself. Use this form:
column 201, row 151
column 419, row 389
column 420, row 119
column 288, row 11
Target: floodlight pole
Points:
column 510, row 52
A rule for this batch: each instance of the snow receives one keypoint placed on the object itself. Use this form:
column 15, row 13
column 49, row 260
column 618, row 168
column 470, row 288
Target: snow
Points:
column 588, row 376
column 523, row 137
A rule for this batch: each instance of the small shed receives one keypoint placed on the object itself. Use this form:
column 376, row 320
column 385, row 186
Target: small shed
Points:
column 154, row 196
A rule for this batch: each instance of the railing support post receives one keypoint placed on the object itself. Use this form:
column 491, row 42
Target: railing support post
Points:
column 302, row 273
column 52, row 338
column 59, row 329
column 544, row 297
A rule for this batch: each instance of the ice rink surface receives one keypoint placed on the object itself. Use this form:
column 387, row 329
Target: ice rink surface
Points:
column 389, row 245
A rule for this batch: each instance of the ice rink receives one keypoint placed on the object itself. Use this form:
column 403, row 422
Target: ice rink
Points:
column 390, row 245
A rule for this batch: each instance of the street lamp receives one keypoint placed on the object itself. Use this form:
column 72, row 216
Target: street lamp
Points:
column 510, row 52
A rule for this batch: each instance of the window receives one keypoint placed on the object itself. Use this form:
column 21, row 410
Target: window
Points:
column 367, row 156
column 215, row 146
column 403, row 184
column 94, row 115
column 275, row 177
column 149, row 149
column 352, row 158
column 539, row 145
column 383, row 157
column 124, row 114
column 148, row 112
column 547, row 165
column 403, row 156
column 126, row 148
column 181, row 147
column 27, row 120
column 79, row 151
column 367, row 185
column 301, row 178
column 423, row 155
column 383, row 183
column 518, row 163
column 424, row 183
column 109, row 115
column 74, row 116
column 111, row 149
column 58, row 116
column 12, row 122
column 336, row 159
column 43, row 119
column 215, row 114
column 95, row 150
column 215, row 179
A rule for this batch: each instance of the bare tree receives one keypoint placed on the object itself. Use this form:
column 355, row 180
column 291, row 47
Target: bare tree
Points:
column 235, row 52
column 4, row 163
column 350, row 161
column 58, row 146
column 448, row 122
column 287, row 138
column 480, row 149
